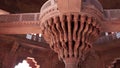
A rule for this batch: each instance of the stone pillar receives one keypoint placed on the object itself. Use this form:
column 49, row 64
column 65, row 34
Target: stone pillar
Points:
column 71, row 65
column 70, row 34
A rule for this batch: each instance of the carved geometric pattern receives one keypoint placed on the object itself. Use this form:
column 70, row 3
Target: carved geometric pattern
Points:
column 19, row 17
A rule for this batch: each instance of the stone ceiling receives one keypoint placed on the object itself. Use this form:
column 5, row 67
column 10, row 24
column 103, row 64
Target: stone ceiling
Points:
column 25, row 6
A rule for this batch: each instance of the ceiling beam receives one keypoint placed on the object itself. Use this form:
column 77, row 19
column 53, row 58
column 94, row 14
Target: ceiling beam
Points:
column 111, row 26
column 24, row 27
column 24, row 42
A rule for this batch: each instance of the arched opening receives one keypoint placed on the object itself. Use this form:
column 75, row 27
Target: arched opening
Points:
column 117, row 64
column 28, row 63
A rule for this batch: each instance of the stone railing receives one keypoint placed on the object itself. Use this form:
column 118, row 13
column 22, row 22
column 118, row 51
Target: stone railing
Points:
column 29, row 22
column 19, row 17
column 19, row 23
column 5, row 18
column 112, row 14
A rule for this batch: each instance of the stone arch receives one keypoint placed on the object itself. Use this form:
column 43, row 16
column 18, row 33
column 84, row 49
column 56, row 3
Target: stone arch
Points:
column 31, row 62
column 112, row 65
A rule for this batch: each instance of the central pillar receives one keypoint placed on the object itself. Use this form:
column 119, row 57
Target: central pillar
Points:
column 71, row 65
column 70, row 34
column 71, row 62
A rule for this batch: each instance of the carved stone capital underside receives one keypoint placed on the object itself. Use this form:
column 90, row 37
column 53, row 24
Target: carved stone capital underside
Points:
column 70, row 34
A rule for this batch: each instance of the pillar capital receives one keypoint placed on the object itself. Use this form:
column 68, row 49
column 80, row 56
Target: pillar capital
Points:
column 71, row 33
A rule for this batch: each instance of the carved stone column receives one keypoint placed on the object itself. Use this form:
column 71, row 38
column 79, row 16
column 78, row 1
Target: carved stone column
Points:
column 70, row 34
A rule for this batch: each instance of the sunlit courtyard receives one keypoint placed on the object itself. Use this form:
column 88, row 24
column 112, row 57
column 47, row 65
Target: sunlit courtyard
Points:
column 24, row 64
